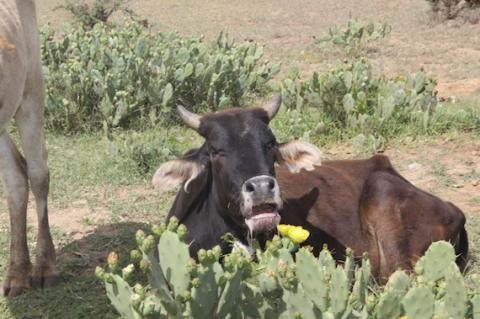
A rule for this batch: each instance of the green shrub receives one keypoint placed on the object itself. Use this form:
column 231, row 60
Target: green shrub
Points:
column 133, row 78
column 350, row 97
column 146, row 149
column 87, row 15
column 278, row 286
column 451, row 9
column 353, row 39
column 149, row 148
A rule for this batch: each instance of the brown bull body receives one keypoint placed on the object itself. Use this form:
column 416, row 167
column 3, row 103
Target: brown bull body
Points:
column 367, row 206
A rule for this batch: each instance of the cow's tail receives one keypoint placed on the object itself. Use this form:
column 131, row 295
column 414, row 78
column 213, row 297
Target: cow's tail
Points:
column 461, row 248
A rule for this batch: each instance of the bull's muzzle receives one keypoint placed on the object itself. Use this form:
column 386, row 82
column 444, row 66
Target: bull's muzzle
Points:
column 260, row 203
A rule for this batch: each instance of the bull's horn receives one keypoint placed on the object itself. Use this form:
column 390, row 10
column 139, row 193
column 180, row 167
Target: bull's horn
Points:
column 191, row 119
column 273, row 106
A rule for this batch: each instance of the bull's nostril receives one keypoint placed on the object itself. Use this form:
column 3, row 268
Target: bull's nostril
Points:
column 249, row 187
column 271, row 184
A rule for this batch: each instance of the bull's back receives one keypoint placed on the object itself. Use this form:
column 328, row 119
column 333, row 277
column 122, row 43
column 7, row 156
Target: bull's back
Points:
column 368, row 206
column 402, row 221
column 326, row 200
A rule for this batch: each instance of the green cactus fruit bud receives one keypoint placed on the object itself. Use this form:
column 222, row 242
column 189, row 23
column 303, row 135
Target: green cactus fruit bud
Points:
column 371, row 298
column 181, row 231
column 158, row 230
column 147, row 244
column 281, row 265
column 217, row 251
column 135, row 256
column 187, row 296
column 210, row 257
column 112, row 261
column 100, row 273
column 192, row 268
column 136, row 300
column 172, row 224
column 145, row 265
column 127, row 271
column 139, row 289
column 419, row 269
column 196, row 282
column 148, row 308
column 108, row 277
column 139, row 237
column 202, row 255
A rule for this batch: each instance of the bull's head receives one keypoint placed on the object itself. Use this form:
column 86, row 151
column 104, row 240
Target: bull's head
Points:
column 240, row 152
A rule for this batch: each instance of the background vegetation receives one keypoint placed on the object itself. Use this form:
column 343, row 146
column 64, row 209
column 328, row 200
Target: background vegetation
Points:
column 110, row 113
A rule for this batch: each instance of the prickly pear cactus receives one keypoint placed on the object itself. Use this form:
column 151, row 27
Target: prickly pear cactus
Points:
column 312, row 278
column 455, row 293
column 326, row 261
column 476, row 306
column 436, row 260
column 339, row 292
column 231, row 295
column 388, row 306
column 419, row 303
column 204, row 294
column 279, row 286
column 398, row 283
column 120, row 294
column 298, row 305
column 349, row 265
column 174, row 257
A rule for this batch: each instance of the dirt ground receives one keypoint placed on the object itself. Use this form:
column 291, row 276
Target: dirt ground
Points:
column 450, row 51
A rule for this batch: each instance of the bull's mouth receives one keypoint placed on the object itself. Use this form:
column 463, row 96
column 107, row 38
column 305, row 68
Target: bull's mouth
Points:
column 264, row 217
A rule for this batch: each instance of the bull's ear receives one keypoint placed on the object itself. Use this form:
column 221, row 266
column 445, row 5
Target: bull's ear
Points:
column 175, row 172
column 297, row 155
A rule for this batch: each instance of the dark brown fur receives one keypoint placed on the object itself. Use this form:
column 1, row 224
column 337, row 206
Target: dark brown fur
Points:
column 368, row 206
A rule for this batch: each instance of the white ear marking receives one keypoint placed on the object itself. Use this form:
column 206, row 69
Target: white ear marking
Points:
column 299, row 155
column 175, row 172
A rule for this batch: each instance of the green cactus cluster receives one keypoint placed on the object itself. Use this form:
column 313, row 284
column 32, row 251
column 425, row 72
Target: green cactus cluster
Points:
column 350, row 96
column 133, row 77
column 281, row 282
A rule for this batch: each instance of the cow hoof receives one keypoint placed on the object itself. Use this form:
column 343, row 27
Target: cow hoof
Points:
column 12, row 292
column 46, row 281
column 13, row 286
column 43, row 277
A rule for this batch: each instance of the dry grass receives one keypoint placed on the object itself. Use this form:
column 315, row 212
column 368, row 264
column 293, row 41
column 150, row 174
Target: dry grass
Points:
column 450, row 50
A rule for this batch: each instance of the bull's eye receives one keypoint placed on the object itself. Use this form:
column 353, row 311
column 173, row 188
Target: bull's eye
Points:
column 271, row 145
column 216, row 152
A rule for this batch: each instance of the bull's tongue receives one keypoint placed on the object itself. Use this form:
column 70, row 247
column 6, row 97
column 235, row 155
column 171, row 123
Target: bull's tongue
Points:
column 263, row 221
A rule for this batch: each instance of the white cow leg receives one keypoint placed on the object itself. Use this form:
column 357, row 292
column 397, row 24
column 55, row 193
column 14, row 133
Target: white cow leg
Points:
column 14, row 177
column 30, row 127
